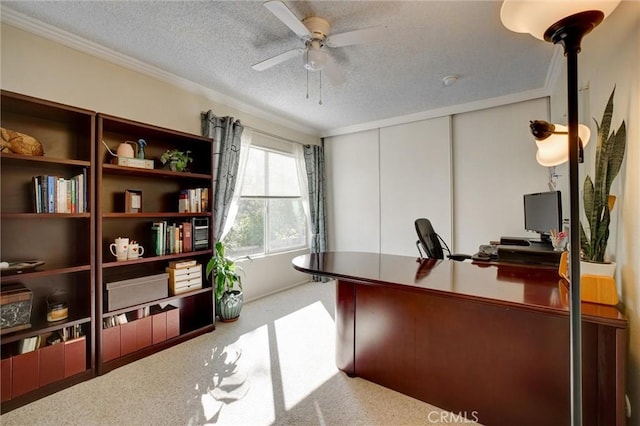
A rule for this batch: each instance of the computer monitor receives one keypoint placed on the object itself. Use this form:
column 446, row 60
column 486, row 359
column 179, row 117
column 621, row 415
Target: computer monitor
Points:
column 543, row 213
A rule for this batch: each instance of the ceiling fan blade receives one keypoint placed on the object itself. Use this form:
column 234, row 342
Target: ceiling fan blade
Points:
column 268, row 63
column 332, row 72
column 366, row 35
column 283, row 13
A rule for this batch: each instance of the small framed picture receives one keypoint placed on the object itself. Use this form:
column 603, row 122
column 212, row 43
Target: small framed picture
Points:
column 132, row 201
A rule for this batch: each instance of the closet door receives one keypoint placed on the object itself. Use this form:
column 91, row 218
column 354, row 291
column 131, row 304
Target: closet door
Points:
column 495, row 164
column 353, row 192
column 415, row 181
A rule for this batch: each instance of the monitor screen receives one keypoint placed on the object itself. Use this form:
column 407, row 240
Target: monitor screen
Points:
column 543, row 212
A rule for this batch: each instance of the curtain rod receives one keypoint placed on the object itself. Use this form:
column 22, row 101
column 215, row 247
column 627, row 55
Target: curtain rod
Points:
column 271, row 135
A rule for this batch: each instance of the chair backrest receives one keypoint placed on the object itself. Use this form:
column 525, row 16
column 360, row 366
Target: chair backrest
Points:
column 428, row 239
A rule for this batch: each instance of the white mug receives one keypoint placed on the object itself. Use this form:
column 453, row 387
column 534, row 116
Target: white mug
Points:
column 120, row 248
column 135, row 251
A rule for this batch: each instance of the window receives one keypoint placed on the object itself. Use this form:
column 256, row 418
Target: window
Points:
column 270, row 216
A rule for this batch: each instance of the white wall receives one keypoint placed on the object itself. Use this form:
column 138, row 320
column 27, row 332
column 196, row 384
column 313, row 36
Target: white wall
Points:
column 494, row 164
column 611, row 57
column 38, row 67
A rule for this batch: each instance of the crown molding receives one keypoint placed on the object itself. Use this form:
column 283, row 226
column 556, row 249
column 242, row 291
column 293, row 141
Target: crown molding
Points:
column 49, row 32
column 441, row 112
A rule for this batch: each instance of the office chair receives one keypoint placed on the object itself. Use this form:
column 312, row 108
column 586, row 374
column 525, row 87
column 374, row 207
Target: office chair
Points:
column 430, row 242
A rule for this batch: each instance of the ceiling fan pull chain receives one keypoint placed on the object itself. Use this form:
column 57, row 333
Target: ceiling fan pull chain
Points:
column 320, row 103
column 307, row 53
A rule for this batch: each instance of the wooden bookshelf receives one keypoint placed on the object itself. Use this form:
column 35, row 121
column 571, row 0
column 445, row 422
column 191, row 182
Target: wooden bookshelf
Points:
column 65, row 242
column 160, row 191
column 75, row 246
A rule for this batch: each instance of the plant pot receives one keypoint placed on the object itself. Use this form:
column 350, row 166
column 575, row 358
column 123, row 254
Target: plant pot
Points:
column 595, row 268
column 229, row 305
column 597, row 283
column 172, row 165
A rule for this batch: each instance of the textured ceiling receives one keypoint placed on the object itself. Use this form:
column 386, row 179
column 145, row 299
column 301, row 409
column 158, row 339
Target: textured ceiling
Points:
column 215, row 43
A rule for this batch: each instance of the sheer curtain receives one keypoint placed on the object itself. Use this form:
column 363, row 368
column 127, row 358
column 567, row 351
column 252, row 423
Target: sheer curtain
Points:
column 226, row 132
column 245, row 145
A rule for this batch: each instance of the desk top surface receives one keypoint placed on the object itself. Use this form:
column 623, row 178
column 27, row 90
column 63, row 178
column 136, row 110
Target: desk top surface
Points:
column 514, row 285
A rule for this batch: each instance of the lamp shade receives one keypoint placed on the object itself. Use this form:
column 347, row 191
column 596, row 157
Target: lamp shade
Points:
column 536, row 16
column 554, row 150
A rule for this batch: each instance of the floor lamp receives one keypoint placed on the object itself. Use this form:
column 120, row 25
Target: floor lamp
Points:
column 565, row 22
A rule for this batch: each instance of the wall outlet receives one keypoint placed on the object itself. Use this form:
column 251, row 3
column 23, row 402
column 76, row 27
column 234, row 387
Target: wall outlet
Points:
column 627, row 406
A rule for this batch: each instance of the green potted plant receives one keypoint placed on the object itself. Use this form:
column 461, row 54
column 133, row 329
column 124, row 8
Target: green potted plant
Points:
column 226, row 275
column 176, row 160
column 598, row 202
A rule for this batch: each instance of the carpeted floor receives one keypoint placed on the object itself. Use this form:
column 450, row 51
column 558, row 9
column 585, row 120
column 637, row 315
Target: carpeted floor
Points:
column 275, row 365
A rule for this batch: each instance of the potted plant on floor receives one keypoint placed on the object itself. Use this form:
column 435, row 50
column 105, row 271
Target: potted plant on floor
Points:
column 598, row 202
column 176, row 160
column 225, row 278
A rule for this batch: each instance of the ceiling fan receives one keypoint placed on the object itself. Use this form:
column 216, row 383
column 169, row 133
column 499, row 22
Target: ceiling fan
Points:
column 314, row 33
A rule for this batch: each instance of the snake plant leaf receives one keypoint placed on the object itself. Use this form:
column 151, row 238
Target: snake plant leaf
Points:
column 604, row 126
column 587, row 199
column 616, row 155
column 584, row 243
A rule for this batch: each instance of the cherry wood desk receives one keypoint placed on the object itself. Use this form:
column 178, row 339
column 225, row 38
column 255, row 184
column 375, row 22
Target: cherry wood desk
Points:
column 490, row 343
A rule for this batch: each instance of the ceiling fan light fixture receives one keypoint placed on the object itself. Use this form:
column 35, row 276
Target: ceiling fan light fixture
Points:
column 315, row 59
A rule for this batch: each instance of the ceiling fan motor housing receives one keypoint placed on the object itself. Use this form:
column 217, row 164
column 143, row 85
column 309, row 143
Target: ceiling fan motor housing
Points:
column 318, row 27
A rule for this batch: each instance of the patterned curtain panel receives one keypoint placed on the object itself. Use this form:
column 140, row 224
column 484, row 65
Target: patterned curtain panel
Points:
column 314, row 162
column 226, row 132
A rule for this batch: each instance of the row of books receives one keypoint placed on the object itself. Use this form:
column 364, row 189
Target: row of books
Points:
column 30, row 344
column 172, row 238
column 194, row 200
column 54, row 194
column 116, row 320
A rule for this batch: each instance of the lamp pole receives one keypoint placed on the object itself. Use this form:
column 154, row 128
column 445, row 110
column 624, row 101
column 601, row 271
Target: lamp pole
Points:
column 569, row 32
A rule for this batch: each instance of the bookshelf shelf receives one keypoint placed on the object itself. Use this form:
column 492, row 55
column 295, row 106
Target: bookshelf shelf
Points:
column 154, row 215
column 45, row 216
column 158, row 213
column 164, row 258
column 43, row 272
column 65, row 242
column 156, row 173
column 7, row 156
column 44, row 327
column 157, row 302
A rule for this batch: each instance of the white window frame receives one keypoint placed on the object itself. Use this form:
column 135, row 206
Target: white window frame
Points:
column 272, row 145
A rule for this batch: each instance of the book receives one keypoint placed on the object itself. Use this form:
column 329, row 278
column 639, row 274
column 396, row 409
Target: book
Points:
column 37, row 195
column 85, row 190
column 183, row 201
column 51, row 194
column 186, row 237
column 73, row 198
column 29, row 344
column 158, row 237
column 205, row 200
